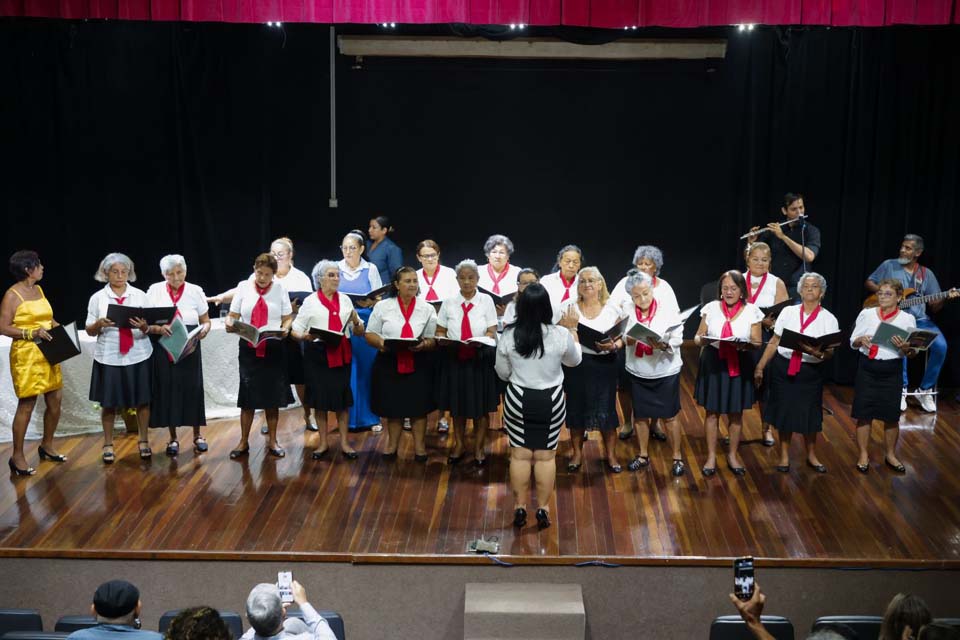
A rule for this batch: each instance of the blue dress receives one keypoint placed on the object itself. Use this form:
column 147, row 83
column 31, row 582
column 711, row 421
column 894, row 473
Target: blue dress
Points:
column 361, row 415
column 387, row 258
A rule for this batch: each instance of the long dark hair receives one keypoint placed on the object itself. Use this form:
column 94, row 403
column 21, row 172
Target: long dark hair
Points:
column 533, row 311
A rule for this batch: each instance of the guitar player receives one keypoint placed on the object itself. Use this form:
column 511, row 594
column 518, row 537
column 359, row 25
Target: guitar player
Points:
column 915, row 276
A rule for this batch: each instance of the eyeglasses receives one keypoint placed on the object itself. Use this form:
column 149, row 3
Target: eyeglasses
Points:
column 349, row 248
column 589, row 281
column 429, row 256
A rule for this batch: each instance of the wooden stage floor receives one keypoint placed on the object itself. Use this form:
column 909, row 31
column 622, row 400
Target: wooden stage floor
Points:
column 373, row 510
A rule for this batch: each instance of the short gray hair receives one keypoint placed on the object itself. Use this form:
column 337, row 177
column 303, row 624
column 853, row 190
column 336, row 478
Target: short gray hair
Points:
column 167, row 263
column 825, row 634
column 649, row 252
column 816, row 276
column 635, row 278
column 495, row 240
column 321, row 268
column 569, row 247
column 917, row 240
column 110, row 260
column 265, row 609
column 467, row 264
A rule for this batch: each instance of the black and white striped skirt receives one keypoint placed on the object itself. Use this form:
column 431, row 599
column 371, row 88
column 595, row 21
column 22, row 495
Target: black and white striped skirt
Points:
column 533, row 417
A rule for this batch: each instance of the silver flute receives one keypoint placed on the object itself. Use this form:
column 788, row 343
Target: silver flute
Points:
column 779, row 224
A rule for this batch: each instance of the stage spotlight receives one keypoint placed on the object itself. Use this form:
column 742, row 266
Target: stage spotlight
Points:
column 523, row 26
column 750, row 27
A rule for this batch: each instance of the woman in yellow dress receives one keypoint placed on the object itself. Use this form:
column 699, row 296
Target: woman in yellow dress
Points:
column 25, row 316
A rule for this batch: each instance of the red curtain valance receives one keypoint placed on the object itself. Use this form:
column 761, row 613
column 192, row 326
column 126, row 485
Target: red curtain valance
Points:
column 613, row 14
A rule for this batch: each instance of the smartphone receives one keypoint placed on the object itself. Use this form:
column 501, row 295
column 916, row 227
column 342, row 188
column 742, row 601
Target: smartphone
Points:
column 743, row 578
column 285, row 586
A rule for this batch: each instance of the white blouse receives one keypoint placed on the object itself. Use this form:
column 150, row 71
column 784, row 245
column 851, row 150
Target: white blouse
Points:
column 867, row 323
column 555, row 287
column 482, row 316
column 387, row 322
column 192, row 304
column 278, row 304
column 749, row 315
column 107, row 350
column 445, row 285
column 313, row 314
column 507, row 285
column 295, row 281
column 789, row 318
column 768, row 294
column 609, row 315
column 659, row 364
column 349, row 273
column 545, row 372
column 662, row 293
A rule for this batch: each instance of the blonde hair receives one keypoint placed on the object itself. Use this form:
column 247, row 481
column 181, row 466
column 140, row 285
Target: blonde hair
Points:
column 753, row 247
column 604, row 295
column 287, row 242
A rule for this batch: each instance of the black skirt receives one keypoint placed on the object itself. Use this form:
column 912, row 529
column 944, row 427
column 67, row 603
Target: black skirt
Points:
column 295, row 372
column 263, row 381
column 177, row 390
column 591, row 390
column 794, row 403
column 468, row 388
column 716, row 391
column 623, row 376
column 877, row 389
column 120, row 387
column 327, row 388
column 402, row 395
column 533, row 417
column 655, row 397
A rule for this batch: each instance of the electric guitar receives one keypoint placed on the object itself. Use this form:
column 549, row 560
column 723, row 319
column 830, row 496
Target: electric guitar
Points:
column 907, row 301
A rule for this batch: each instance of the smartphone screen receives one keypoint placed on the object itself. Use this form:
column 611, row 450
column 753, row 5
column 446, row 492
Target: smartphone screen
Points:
column 743, row 578
column 285, row 586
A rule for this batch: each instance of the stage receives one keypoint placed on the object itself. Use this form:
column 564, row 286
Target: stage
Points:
column 378, row 511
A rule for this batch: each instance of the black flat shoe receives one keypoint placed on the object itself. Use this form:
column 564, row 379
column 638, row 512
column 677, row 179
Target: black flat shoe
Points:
column 388, row 456
column 17, row 471
column 520, row 517
column 350, row 455
column 543, row 519
column 418, row 457
column 173, row 448
column 625, row 434
column 899, row 468
column 319, row 455
column 239, row 453
column 200, row 445
column 708, row 471
column 311, row 427
column 145, row 452
column 573, row 468
column 108, row 456
column 863, row 468
column 783, row 468
column 277, row 453
column 454, row 459
column 678, row 469
column 659, row 436
column 737, row 471
column 639, row 463
column 264, row 429
column 46, row 455
column 819, row 468
column 770, row 442
column 615, row 468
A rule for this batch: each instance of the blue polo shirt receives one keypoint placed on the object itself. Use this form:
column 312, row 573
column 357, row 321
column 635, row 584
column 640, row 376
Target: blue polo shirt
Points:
column 114, row 632
column 925, row 285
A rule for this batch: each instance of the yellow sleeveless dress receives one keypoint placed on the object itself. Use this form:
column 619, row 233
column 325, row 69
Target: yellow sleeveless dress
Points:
column 32, row 375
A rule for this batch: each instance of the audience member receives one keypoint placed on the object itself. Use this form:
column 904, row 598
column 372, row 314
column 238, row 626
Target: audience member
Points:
column 267, row 616
column 198, row 623
column 905, row 615
column 116, row 605
column 751, row 610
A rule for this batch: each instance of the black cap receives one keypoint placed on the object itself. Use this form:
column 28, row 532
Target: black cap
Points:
column 115, row 599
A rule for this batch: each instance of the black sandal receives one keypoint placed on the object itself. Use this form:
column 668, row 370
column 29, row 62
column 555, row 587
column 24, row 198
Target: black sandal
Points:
column 639, row 463
column 108, row 456
column 200, row 445
column 173, row 448
column 145, row 452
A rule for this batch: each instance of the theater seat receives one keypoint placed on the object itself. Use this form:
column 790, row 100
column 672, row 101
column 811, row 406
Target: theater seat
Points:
column 953, row 622
column 867, row 627
column 734, row 628
column 34, row 635
column 332, row 617
column 73, row 623
column 233, row 620
column 20, row 620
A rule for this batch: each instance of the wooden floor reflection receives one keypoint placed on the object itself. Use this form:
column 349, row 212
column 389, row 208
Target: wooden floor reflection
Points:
column 374, row 510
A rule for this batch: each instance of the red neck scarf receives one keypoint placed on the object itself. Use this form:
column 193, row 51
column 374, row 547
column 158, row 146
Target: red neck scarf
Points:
column 643, row 349
column 431, row 294
column 175, row 298
column 466, row 351
column 259, row 315
column 566, row 286
column 341, row 354
column 874, row 348
column 404, row 357
column 756, row 294
column 728, row 352
column 126, row 334
column 495, row 278
column 796, row 358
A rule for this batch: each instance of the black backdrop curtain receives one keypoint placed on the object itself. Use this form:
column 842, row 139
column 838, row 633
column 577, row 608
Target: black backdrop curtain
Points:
column 211, row 139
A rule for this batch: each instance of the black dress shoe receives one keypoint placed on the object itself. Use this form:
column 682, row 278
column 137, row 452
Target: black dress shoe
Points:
column 615, row 468
column 17, row 471
column 264, row 429
column 639, row 463
column 819, row 468
column 319, row 455
column 543, row 519
column 239, row 453
column 625, row 434
column 350, row 455
column 863, row 468
column 46, row 455
column 573, row 467
column 770, row 442
column 388, row 456
column 454, row 459
column 708, row 471
column 659, row 436
column 678, row 469
column 420, row 457
column 520, row 517
column 277, row 452
column 899, row 468
column 311, row 427
column 737, row 471
column 783, row 468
